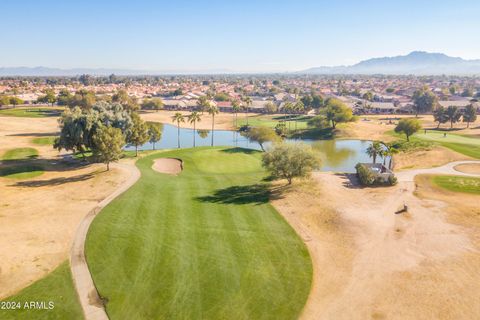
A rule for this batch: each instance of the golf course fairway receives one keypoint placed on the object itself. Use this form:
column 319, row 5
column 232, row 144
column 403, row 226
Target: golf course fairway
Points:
column 205, row 244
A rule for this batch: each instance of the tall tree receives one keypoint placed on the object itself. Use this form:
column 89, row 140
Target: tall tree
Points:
column 262, row 135
column 374, row 149
column 288, row 161
column 213, row 110
column 128, row 102
column 154, row 132
column 178, row 118
column 469, row 115
column 152, row 104
column 453, row 115
column 236, row 108
column 194, row 117
column 408, row 127
column 440, row 116
column 138, row 133
column 247, row 102
column 424, row 100
column 336, row 111
column 108, row 142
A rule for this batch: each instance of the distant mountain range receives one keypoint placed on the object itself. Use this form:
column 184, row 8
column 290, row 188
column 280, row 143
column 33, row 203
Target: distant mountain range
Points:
column 57, row 72
column 416, row 63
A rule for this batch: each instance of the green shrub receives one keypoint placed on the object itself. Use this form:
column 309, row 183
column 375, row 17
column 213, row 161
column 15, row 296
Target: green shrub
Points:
column 367, row 178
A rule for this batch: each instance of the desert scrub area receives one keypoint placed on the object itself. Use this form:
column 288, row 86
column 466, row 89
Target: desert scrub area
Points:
column 203, row 244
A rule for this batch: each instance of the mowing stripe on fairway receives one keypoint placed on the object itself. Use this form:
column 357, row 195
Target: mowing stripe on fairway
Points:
column 200, row 245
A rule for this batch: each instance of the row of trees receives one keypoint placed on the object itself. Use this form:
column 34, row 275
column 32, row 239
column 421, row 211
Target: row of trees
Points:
column 104, row 130
column 453, row 115
column 10, row 101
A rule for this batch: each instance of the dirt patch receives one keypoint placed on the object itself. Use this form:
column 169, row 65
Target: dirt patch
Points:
column 473, row 168
column 39, row 216
column 168, row 165
column 436, row 156
column 372, row 263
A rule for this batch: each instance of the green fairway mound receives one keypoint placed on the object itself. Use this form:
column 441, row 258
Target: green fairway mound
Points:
column 21, row 172
column 205, row 244
column 54, row 290
column 44, row 141
column 32, row 112
column 20, row 154
column 458, row 184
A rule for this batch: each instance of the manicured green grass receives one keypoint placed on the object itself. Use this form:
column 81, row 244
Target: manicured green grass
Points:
column 32, row 112
column 205, row 244
column 57, row 288
column 21, row 172
column 44, row 141
column 272, row 120
column 469, row 146
column 20, row 154
column 458, row 183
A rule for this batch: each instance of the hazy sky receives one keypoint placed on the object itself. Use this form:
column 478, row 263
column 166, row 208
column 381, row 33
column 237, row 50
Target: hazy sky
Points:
column 239, row 36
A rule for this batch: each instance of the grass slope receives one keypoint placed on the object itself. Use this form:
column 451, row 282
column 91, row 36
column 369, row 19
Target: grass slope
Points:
column 20, row 154
column 44, row 141
column 466, row 145
column 202, row 245
column 458, row 183
column 58, row 288
column 32, row 112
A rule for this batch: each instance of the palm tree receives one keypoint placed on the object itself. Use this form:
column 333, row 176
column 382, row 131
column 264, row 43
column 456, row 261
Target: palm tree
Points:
column 178, row 117
column 374, row 149
column 389, row 151
column 236, row 108
column 298, row 108
column 213, row 110
column 247, row 102
column 194, row 117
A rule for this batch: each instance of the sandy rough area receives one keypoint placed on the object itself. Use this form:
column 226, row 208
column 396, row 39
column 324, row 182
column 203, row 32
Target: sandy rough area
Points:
column 469, row 168
column 370, row 263
column 39, row 216
column 168, row 166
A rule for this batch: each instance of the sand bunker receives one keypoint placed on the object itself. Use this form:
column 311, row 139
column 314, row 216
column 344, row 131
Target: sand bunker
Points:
column 472, row 168
column 168, row 166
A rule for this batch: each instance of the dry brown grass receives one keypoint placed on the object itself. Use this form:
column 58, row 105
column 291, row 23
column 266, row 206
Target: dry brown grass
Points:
column 433, row 157
column 39, row 216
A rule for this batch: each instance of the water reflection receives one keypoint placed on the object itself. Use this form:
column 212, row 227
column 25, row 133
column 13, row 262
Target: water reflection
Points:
column 336, row 155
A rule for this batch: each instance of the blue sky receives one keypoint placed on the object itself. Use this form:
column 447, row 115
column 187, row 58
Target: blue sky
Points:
column 247, row 36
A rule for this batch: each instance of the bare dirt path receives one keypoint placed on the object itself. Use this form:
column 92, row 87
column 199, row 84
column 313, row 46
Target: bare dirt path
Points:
column 370, row 263
column 90, row 301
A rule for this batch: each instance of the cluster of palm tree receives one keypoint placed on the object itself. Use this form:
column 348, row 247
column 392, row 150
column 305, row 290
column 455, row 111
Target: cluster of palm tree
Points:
column 382, row 149
column 294, row 109
column 193, row 118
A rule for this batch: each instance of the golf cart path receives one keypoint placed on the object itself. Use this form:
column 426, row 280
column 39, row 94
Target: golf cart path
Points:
column 449, row 168
column 91, row 303
column 386, row 244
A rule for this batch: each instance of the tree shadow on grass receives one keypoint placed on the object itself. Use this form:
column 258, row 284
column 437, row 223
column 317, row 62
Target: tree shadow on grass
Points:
column 34, row 134
column 249, row 194
column 54, row 181
column 240, row 150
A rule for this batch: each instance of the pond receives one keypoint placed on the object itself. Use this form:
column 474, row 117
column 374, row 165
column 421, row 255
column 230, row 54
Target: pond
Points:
column 336, row 155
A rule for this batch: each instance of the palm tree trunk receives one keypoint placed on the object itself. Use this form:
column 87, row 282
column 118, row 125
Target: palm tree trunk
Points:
column 213, row 124
column 178, row 134
column 194, row 133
